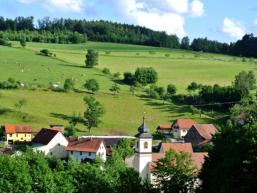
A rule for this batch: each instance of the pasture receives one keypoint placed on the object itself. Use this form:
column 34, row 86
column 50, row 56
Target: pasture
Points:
column 123, row 112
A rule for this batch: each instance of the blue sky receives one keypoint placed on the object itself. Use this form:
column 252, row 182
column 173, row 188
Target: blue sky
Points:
column 223, row 20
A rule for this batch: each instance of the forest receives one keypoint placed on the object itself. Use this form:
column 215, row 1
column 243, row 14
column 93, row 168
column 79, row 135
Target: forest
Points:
column 78, row 31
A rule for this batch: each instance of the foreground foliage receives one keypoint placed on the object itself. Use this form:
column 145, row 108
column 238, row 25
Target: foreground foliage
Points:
column 231, row 165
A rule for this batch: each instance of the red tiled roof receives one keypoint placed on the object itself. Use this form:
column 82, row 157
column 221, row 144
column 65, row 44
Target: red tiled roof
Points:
column 177, row 147
column 198, row 159
column 183, row 124
column 164, row 127
column 206, row 130
column 44, row 136
column 85, row 145
column 11, row 129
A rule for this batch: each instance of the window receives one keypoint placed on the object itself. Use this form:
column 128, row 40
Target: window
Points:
column 71, row 152
column 59, row 144
column 137, row 144
column 16, row 135
column 80, row 153
column 25, row 135
column 145, row 145
column 51, row 153
column 89, row 153
column 10, row 135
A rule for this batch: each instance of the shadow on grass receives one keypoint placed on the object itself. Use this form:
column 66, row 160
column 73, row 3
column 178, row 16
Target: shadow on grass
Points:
column 72, row 65
column 183, row 111
column 66, row 117
column 61, row 116
column 4, row 110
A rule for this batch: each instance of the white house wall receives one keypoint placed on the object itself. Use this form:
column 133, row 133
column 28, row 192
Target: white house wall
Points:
column 79, row 156
column 56, row 147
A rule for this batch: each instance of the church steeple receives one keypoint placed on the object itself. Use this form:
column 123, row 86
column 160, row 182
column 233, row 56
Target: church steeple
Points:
column 143, row 130
column 143, row 150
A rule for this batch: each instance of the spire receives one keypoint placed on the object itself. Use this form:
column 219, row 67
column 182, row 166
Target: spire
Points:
column 143, row 130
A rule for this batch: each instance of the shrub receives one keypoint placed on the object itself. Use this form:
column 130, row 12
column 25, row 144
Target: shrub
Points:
column 116, row 75
column 46, row 52
column 171, row 89
column 91, row 58
column 68, row 84
column 106, row 71
column 11, row 83
column 146, row 75
column 128, row 78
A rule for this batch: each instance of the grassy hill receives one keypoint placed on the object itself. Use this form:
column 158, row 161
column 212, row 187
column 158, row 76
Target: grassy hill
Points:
column 123, row 112
column 173, row 66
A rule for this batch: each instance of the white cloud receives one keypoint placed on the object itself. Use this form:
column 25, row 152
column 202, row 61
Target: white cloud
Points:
column 145, row 14
column 161, row 15
column 62, row 5
column 180, row 6
column 197, row 8
column 233, row 28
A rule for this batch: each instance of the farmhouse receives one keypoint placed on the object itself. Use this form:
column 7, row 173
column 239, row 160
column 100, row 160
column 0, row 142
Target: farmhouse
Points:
column 18, row 133
column 86, row 149
column 51, row 142
column 200, row 135
column 181, row 126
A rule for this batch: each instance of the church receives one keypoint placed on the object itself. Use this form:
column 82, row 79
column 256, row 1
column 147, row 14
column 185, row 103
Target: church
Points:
column 144, row 159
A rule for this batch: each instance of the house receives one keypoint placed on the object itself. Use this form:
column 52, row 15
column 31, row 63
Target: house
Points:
column 109, row 142
column 181, row 126
column 18, row 133
column 164, row 129
column 200, row 135
column 51, row 142
column 86, row 149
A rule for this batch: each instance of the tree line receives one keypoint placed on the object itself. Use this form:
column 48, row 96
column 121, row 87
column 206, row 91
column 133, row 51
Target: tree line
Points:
column 78, row 31
column 246, row 47
column 95, row 30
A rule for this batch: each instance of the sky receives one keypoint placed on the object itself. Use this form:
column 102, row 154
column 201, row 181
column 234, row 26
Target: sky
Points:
column 222, row 20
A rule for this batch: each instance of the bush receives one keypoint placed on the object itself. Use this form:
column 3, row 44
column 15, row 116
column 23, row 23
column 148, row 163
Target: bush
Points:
column 91, row 58
column 92, row 85
column 171, row 89
column 146, row 76
column 129, row 78
column 151, row 93
column 11, row 83
column 106, row 71
column 68, row 84
column 46, row 52
column 116, row 75
column 4, row 43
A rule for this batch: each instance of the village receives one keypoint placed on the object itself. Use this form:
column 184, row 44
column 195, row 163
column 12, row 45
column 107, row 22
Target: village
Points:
column 183, row 135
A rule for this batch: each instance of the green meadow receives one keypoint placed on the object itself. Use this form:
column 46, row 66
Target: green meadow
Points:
column 123, row 112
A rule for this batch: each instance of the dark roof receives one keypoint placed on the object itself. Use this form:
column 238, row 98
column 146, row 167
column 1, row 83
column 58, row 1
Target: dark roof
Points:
column 143, row 131
column 206, row 130
column 44, row 136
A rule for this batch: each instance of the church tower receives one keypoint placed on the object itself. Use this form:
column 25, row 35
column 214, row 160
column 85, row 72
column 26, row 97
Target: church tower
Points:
column 143, row 154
